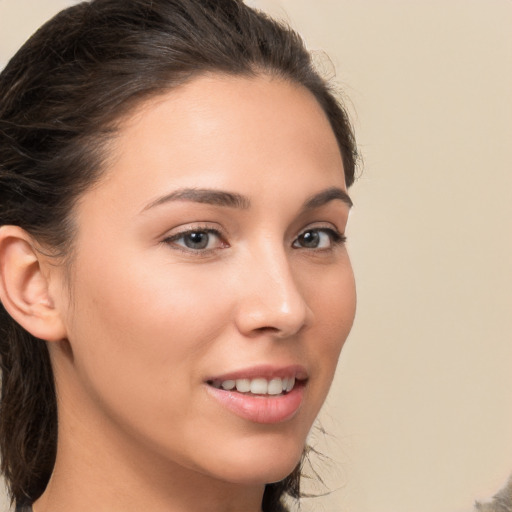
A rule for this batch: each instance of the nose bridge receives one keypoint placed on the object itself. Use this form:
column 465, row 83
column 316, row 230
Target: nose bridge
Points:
column 272, row 300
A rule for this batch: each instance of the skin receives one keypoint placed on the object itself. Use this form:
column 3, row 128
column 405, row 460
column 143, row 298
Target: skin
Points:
column 150, row 319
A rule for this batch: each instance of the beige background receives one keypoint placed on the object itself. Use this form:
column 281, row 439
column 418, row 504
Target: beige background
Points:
column 420, row 416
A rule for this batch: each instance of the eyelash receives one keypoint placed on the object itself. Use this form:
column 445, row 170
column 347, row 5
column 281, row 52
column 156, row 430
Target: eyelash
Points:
column 335, row 238
column 171, row 240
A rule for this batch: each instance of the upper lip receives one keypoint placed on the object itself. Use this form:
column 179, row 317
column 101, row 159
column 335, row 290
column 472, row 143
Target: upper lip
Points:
column 263, row 371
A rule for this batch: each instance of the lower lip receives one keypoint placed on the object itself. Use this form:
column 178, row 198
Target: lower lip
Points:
column 261, row 408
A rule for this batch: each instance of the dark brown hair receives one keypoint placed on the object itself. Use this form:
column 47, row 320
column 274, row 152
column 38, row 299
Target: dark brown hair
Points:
column 60, row 99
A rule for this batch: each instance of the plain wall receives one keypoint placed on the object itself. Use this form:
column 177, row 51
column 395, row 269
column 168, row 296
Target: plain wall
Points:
column 420, row 414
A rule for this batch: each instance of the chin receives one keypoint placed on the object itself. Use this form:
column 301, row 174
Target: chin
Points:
column 273, row 471
column 261, row 464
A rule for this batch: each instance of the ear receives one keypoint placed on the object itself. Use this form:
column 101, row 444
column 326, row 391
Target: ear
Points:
column 24, row 285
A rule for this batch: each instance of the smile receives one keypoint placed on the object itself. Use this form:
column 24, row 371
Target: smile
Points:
column 261, row 394
column 258, row 386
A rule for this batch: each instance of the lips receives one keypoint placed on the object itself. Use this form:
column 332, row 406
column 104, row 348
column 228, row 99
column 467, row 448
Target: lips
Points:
column 261, row 394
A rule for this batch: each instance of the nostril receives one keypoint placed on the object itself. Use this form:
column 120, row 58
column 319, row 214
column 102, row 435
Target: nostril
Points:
column 267, row 329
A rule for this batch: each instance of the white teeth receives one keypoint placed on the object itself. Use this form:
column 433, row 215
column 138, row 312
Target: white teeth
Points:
column 243, row 385
column 228, row 384
column 258, row 386
column 275, row 387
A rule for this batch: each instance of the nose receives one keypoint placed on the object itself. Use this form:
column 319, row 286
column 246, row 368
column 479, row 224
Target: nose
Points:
column 270, row 301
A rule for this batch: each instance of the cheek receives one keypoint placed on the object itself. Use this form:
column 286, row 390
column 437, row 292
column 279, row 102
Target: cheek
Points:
column 333, row 302
column 141, row 331
column 331, row 295
column 150, row 305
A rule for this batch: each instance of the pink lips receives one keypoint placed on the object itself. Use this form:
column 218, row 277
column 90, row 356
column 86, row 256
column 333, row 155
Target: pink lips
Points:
column 265, row 409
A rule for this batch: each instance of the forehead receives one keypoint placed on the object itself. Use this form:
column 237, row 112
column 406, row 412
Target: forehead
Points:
column 232, row 133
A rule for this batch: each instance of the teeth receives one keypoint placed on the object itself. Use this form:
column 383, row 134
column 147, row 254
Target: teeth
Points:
column 228, row 384
column 258, row 386
column 275, row 387
column 243, row 385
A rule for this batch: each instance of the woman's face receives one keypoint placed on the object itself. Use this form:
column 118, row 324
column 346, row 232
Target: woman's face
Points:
column 209, row 261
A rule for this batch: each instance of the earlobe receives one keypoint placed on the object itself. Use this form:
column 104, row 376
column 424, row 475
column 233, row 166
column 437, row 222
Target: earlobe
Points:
column 24, row 287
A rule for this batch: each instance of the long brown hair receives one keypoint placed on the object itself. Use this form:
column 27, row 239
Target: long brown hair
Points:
column 60, row 99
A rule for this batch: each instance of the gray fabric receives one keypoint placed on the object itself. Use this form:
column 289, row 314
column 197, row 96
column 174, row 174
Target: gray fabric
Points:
column 502, row 502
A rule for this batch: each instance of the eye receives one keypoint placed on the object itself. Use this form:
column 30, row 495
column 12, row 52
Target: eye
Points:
column 197, row 240
column 318, row 238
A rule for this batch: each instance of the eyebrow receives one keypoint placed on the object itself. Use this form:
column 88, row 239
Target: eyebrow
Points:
column 206, row 196
column 327, row 195
column 234, row 200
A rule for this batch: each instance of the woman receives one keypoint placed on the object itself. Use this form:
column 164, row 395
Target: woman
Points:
column 174, row 280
